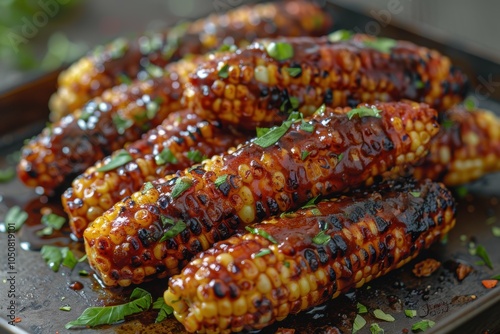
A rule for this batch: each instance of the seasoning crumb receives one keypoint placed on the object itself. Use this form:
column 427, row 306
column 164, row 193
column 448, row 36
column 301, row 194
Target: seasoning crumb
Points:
column 426, row 267
column 463, row 271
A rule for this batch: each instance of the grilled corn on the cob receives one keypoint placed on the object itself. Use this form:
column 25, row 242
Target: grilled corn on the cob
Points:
column 122, row 59
column 287, row 265
column 180, row 141
column 154, row 232
column 466, row 148
column 260, row 84
column 121, row 115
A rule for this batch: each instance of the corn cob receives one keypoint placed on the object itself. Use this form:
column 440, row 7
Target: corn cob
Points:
column 154, row 232
column 255, row 87
column 121, row 115
column 304, row 259
column 106, row 66
column 181, row 140
column 466, row 148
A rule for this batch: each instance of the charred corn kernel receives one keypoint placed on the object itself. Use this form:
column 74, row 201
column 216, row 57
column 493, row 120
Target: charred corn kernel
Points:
column 210, row 199
column 466, row 148
column 164, row 150
column 335, row 73
column 123, row 59
column 387, row 211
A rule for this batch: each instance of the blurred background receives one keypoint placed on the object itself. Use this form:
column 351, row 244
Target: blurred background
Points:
column 37, row 36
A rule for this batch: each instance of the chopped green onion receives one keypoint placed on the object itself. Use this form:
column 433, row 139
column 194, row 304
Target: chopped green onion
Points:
column 280, row 50
column 376, row 329
column 7, row 174
column 83, row 272
column 262, row 131
column 381, row 44
column 224, row 71
column 262, row 233
column 340, row 35
column 470, row 104
column 359, row 323
column 379, row 314
column 263, row 252
column 304, row 155
column 153, row 107
column 140, row 300
column 294, row 71
column 121, row 158
column 286, row 264
column 321, row 110
column 422, row 325
column 66, row 308
column 311, row 203
column 165, row 156
column 462, row 191
column 306, row 126
column 321, row 238
column 53, row 220
column 447, row 124
column 273, row 135
column 55, row 256
column 165, row 310
column 178, row 227
column 14, row 219
column 415, row 193
column 361, row 308
column 220, row 180
column 340, row 157
column 147, row 186
column 196, row 156
column 124, row 79
column 497, row 277
column 496, row 231
column 411, row 313
column 181, row 185
column 154, row 71
column 483, row 254
column 167, row 220
column 364, row 112
column 121, row 123
column 419, row 84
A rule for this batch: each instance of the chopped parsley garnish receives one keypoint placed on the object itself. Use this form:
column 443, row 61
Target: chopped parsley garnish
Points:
column 294, row 71
column 153, row 107
column 306, row 126
column 121, row 123
column 165, row 156
column 66, row 308
column 14, row 219
column 262, row 233
column 52, row 222
column 280, row 51
column 340, row 157
column 419, row 84
column 286, row 264
column 228, row 47
column 177, row 228
column 140, row 300
column 165, row 310
column 422, row 325
column 483, row 254
column 124, row 79
column 376, row 329
column 381, row 44
column 272, row 136
column 181, row 185
column 496, row 231
column 311, row 203
column 411, row 313
column 497, row 277
column 321, row 238
column 321, row 110
column 262, row 131
column 154, row 71
column 470, row 104
column 364, row 112
column 304, row 155
column 83, row 272
column 220, row 180
column 118, row 47
column 292, row 104
column 358, row 324
column 340, row 35
column 55, row 256
column 263, row 252
column 224, row 71
column 119, row 159
column 415, row 193
column 361, row 308
column 147, row 186
column 447, row 124
column 379, row 314
column 7, row 174
column 196, row 156
column 167, row 220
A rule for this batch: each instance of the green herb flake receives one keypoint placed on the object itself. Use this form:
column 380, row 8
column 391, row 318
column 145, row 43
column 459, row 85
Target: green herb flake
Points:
column 280, row 51
column 227, row 47
column 53, row 220
column 177, row 228
column 7, row 174
column 152, row 107
column 447, row 124
column 321, row 110
column 46, row 231
column 358, row 324
column 361, row 308
column 83, row 272
column 304, row 155
column 307, row 127
column 422, row 325
column 286, row 264
column 376, row 329
column 444, row 239
column 483, row 254
column 154, row 71
column 14, row 219
column 118, row 48
column 311, row 203
column 340, row 35
column 196, row 156
column 220, row 180
column 263, row 252
column 491, row 220
column 470, row 104
column 66, row 308
column 167, row 220
column 262, row 233
column 224, row 71
column 315, row 212
column 497, row 277
column 262, row 131
column 381, row 44
column 165, row 156
column 340, row 157
column 379, row 314
column 295, row 102
column 411, row 313
column 181, row 185
column 462, row 191
column 55, row 256
column 364, row 112
column 165, row 310
column 294, row 71
column 273, row 135
column 140, row 300
column 83, row 258
column 147, row 187
column 419, row 84
column 119, row 159
column 321, row 238
column 124, row 79
column 415, row 194
column 496, row 231
column 121, row 124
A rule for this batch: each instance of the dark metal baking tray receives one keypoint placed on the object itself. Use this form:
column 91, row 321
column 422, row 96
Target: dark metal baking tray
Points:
column 456, row 307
